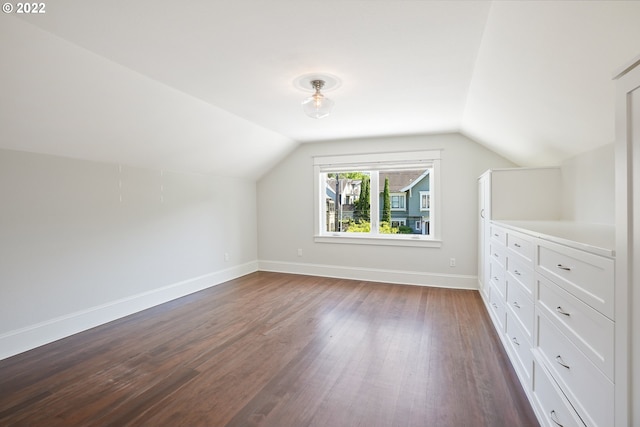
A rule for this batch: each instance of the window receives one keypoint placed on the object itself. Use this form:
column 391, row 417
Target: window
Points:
column 397, row 201
column 386, row 198
column 425, row 200
column 397, row 223
column 345, row 194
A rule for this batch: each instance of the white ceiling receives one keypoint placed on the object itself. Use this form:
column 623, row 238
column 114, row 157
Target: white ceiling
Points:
column 208, row 86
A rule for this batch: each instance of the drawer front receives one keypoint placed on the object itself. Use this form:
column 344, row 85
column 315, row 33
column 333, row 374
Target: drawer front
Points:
column 521, row 348
column 589, row 330
column 497, row 278
column 551, row 403
column 589, row 277
column 496, row 304
column 588, row 390
column 498, row 234
column 523, row 273
column 522, row 246
column 521, row 305
column 497, row 254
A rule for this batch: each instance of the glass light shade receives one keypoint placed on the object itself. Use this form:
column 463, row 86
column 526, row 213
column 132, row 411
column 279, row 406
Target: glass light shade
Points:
column 317, row 106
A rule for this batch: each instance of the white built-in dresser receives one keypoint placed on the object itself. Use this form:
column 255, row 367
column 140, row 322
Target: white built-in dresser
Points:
column 559, row 317
column 549, row 289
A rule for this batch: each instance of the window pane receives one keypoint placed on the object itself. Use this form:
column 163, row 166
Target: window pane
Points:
column 348, row 203
column 401, row 201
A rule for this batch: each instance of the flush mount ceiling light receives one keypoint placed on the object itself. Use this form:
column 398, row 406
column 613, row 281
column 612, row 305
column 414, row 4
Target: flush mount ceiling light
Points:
column 317, row 105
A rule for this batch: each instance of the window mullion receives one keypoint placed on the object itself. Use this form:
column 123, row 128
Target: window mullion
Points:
column 375, row 202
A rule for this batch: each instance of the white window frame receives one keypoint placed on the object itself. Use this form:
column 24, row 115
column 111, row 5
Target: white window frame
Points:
column 374, row 163
column 428, row 195
column 404, row 201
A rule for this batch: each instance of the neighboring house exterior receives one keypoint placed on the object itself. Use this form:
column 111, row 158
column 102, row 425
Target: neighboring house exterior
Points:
column 410, row 199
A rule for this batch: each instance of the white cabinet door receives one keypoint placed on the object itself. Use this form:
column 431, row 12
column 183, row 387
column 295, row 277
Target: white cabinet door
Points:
column 483, row 224
column 628, row 243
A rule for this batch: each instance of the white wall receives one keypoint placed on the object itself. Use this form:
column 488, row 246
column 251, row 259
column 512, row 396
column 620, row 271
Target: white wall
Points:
column 285, row 220
column 589, row 186
column 82, row 243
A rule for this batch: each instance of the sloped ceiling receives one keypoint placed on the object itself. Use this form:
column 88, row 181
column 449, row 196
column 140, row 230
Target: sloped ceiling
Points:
column 542, row 88
column 208, row 86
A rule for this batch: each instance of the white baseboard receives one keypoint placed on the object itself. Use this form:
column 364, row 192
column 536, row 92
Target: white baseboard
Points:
column 27, row 338
column 455, row 281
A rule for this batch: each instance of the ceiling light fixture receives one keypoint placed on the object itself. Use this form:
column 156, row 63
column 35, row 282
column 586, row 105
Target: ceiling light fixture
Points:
column 317, row 105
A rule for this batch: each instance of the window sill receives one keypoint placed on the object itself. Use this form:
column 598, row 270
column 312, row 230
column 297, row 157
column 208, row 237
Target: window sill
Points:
column 379, row 240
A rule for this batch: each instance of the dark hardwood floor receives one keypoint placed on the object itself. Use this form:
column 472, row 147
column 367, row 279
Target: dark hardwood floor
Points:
column 272, row 349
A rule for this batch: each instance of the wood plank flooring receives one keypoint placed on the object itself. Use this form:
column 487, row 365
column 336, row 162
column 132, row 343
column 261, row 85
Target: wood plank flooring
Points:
column 272, row 349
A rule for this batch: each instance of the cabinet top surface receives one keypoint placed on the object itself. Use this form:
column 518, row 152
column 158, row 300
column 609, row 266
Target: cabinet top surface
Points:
column 595, row 238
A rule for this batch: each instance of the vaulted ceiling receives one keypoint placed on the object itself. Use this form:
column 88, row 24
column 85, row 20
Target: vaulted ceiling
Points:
column 208, row 86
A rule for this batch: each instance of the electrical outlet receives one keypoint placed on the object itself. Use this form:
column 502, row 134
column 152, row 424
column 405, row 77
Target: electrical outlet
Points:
column 299, row 251
column 226, row 256
column 452, row 262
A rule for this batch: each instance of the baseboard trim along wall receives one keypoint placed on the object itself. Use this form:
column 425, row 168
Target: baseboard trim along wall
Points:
column 27, row 338
column 454, row 281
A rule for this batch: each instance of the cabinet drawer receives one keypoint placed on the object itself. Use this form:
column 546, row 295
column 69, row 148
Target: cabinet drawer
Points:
column 523, row 273
column 497, row 308
column 522, row 246
column 498, row 234
column 589, row 277
column 497, row 254
column 589, row 330
column 552, row 404
column 521, row 305
column 588, row 390
column 521, row 348
column 497, row 278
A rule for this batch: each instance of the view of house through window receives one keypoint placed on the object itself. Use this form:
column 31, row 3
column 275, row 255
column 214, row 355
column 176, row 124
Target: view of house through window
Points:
column 397, row 200
column 400, row 211
column 347, row 202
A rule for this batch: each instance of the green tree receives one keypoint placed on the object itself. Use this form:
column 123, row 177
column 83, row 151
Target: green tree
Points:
column 348, row 175
column 354, row 175
column 386, row 202
column 363, row 204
